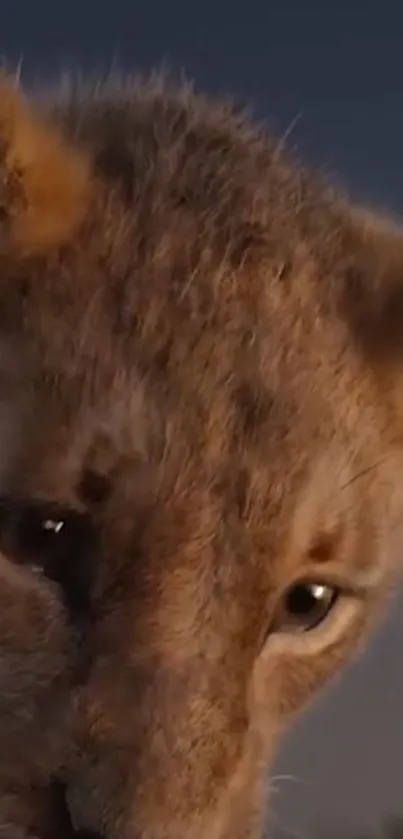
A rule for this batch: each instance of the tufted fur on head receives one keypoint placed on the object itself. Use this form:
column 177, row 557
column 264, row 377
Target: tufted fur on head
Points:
column 201, row 456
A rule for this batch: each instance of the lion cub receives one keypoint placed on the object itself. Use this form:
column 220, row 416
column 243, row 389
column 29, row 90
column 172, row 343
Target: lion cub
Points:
column 201, row 466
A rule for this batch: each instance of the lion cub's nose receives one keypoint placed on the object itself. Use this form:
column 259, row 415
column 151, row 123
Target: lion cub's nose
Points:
column 54, row 540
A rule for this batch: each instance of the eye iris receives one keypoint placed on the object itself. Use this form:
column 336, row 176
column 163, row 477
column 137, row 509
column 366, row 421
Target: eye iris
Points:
column 308, row 604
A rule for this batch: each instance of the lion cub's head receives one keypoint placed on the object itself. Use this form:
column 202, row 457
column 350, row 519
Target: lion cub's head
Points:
column 200, row 461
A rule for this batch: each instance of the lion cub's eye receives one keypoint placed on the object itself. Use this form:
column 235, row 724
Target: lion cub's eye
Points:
column 37, row 534
column 55, row 541
column 305, row 605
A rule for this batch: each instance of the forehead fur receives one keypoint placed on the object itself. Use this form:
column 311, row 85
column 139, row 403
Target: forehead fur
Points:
column 214, row 272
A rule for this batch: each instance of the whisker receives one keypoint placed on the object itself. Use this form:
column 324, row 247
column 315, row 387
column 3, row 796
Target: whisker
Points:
column 363, row 472
column 284, row 137
column 292, row 778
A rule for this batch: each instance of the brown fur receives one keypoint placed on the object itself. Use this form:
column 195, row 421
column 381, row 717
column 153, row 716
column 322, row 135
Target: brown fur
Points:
column 206, row 360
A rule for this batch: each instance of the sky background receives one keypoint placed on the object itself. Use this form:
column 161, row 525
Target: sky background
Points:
column 333, row 71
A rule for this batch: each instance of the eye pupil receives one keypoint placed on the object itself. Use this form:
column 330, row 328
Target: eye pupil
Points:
column 306, row 605
column 303, row 598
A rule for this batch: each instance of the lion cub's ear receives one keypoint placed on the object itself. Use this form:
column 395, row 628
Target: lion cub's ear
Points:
column 44, row 183
column 373, row 291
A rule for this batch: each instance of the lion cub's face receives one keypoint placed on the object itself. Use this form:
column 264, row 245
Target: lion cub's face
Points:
column 199, row 487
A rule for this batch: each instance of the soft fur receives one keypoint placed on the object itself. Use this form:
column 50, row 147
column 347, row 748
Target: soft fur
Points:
column 201, row 348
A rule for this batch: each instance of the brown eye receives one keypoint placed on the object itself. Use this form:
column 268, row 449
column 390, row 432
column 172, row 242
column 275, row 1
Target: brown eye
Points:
column 41, row 534
column 305, row 605
column 58, row 542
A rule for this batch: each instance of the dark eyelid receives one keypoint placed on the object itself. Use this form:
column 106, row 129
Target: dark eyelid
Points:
column 351, row 582
column 51, row 508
